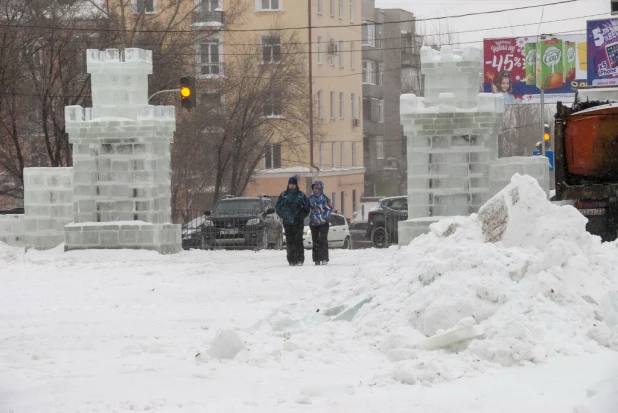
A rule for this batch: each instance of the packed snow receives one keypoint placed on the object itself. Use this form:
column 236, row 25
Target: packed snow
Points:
column 514, row 309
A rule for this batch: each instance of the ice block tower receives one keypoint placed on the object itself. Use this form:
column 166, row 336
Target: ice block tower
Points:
column 121, row 159
column 452, row 135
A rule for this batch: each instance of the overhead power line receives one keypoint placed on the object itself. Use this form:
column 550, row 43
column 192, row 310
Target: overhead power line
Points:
column 31, row 26
column 234, row 44
column 356, row 73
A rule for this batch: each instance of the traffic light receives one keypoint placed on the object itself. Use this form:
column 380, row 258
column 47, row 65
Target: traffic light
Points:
column 546, row 135
column 187, row 92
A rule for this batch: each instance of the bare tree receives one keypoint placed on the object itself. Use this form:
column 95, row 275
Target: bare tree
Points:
column 42, row 67
column 262, row 101
column 521, row 129
column 438, row 34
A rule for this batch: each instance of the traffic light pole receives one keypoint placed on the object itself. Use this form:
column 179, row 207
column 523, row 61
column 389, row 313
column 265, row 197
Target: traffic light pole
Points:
column 163, row 91
column 543, row 122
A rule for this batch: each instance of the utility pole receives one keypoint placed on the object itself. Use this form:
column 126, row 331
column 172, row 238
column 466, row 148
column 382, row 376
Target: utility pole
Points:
column 309, row 43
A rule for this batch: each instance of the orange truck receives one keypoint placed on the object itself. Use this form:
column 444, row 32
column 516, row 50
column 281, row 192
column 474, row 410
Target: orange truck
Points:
column 586, row 157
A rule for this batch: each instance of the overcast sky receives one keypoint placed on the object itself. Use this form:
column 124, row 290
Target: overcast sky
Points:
column 503, row 24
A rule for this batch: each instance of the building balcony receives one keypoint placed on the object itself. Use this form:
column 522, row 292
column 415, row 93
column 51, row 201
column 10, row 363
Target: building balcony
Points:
column 410, row 59
column 208, row 18
column 210, row 70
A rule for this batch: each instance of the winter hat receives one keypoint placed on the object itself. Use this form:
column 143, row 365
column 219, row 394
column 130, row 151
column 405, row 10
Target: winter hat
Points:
column 293, row 180
column 317, row 184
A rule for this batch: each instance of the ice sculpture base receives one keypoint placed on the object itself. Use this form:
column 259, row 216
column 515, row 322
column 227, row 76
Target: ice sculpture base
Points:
column 13, row 230
column 502, row 170
column 48, row 205
column 163, row 238
column 412, row 228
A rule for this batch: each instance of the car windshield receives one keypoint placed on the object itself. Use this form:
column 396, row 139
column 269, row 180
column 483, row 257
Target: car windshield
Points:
column 238, row 206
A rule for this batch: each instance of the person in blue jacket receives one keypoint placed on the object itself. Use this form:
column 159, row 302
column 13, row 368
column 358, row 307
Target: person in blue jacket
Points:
column 318, row 222
column 293, row 207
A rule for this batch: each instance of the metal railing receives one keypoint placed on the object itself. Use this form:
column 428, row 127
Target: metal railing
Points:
column 208, row 16
column 232, row 229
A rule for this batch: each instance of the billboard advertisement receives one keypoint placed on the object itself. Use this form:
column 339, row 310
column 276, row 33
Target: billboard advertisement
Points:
column 603, row 52
column 518, row 67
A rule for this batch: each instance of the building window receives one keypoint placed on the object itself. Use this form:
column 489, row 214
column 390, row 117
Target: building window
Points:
column 333, row 199
column 352, row 64
column 380, row 147
column 342, row 203
column 332, row 7
column 271, row 49
column 272, row 156
column 272, row 103
column 270, row 4
column 209, row 57
column 353, row 200
column 332, row 155
column 373, row 109
column 369, row 72
column 332, row 105
column 352, row 11
column 319, row 50
column 332, row 52
column 369, row 34
column 341, row 9
column 341, row 154
column 379, row 70
column 209, row 5
column 341, row 105
column 353, row 106
column 319, row 6
column 320, row 105
column 33, row 53
column 143, row 6
column 353, row 153
column 340, row 51
column 321, row 155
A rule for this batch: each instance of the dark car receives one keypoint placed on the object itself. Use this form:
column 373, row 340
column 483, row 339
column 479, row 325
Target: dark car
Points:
column 192, row 233
column 242, row 222
column 383, row 220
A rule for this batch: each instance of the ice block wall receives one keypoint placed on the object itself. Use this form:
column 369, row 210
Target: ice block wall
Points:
column 48, row 205
column 502, row 170
column 13, row 230
column 452, row 135
column 121, row 158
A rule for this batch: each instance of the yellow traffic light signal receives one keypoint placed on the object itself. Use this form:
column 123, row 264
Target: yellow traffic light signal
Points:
column 546, row 135
column 187, row 92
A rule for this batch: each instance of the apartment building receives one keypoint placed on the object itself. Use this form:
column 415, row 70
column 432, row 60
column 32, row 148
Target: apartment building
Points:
column 391, row 66
column 337, row 97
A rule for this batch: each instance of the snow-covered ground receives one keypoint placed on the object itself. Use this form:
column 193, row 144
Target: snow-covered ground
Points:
column 239, row 331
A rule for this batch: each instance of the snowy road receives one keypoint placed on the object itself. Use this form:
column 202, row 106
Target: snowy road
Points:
column 118, row 331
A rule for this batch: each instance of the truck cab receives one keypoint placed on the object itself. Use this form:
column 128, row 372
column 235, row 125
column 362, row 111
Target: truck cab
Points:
column 586, row 151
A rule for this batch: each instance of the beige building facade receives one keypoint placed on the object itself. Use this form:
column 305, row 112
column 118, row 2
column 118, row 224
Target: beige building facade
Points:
column 337, row 98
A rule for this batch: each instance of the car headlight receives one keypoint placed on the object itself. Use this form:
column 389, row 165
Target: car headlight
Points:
column 208, row 223
column 253, row 221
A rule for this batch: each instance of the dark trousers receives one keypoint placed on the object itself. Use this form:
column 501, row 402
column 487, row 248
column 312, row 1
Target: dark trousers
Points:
column 319, row 235
column 294, row 240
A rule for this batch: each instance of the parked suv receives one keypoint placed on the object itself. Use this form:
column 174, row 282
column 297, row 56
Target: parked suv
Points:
column 383, row 219
column 242, row 222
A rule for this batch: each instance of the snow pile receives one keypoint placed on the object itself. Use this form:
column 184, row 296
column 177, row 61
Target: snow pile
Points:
column 226, row 345
column 519, row 282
